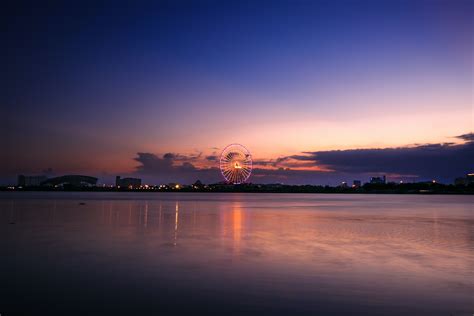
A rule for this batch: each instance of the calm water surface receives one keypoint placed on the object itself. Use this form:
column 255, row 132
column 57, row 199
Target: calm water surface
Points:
column 235, row 254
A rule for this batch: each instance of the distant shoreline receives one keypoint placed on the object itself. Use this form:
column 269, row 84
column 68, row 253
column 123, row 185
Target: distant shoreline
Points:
column 295, row 190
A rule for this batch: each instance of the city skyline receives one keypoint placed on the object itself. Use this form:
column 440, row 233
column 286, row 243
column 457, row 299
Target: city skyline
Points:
column 321, row 168
column 319, row 92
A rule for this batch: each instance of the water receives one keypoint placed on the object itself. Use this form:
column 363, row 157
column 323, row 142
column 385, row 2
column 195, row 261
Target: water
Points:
column 235, row 254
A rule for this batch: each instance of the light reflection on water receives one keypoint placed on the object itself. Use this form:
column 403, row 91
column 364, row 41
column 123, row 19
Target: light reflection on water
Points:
column 237, row 253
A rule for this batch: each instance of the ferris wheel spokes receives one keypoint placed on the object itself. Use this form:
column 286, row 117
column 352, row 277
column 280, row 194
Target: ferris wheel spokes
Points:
column 236, row 164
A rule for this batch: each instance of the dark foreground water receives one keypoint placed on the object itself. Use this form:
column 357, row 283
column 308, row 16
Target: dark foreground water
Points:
column 235, row 254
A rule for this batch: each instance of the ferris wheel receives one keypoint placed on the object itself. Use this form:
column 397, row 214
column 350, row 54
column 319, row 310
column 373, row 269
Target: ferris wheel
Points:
column 236, row 164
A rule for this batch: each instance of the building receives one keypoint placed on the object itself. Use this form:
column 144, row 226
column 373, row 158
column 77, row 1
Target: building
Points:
column 30, row 181
column 356, row 184
column 378, row 180
column 198, row 185
column 131, row 183
column 468, row 179
column 71, row 181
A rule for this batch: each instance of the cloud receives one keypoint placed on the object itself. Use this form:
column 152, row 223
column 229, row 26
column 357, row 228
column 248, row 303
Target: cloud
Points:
column 442, row 161
column 150, row 163
column 430, row 161
column 264, row 162
column 181, row 157
column 169, row 168
column 289, row 176
column 211, row 158
column 469, row 137
column 173, row 167
column 166, row 156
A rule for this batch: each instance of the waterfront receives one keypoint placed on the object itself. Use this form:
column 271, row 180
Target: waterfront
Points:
column 236, row 254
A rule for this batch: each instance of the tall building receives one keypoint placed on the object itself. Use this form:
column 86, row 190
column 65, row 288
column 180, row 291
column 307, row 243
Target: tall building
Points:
column 131, row 183
column 378, row 180
column 356, row 184
column 468, row 179
column 30, row 181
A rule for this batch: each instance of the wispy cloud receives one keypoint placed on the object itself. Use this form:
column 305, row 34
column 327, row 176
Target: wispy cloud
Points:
column 469, row 137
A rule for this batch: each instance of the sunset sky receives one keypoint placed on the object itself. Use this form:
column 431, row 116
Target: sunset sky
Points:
column 318, row 91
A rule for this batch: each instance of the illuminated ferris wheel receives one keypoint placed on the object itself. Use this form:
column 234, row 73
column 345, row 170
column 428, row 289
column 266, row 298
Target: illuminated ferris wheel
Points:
column 236, row 164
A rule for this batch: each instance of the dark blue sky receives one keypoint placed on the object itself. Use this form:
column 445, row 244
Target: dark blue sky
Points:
column 88, row 85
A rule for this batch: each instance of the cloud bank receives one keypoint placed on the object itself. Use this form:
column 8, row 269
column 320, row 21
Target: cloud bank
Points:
column 443, row 161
